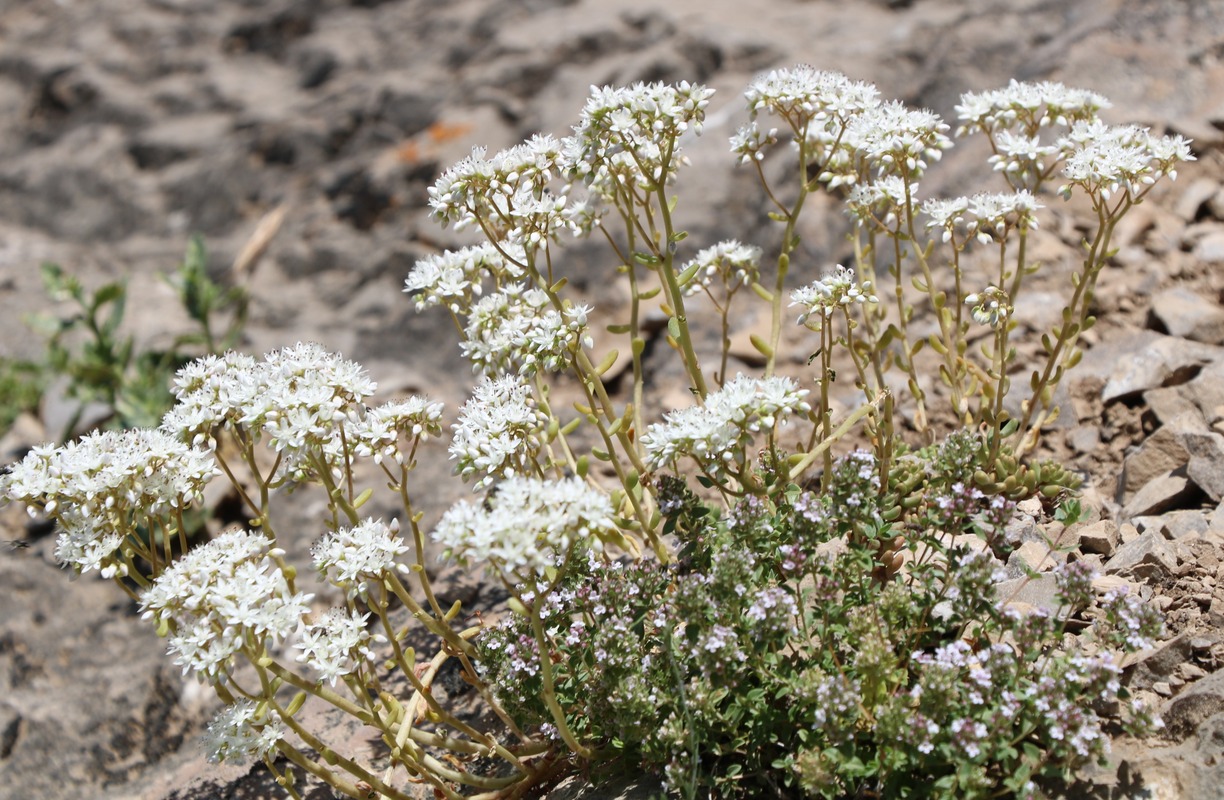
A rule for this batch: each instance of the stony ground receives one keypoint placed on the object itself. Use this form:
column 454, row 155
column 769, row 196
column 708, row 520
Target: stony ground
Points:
column 127, row 126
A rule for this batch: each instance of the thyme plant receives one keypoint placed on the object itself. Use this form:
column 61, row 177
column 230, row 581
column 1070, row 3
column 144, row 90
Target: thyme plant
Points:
column 716, row 595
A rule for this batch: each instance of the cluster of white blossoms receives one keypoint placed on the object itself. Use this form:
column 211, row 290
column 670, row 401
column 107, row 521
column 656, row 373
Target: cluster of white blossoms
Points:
column 356, row 558
column 102, row 487
column 986, row 217
column 1106, row 159
column 893, row 139
column 454, row 278
column 222, row 597
column 628, row 137
column 517, row 329
column 878, row 203
column 239, row 734
column 813, row 103
column 499, row 432
column 305, row 401
column 990, row 307
column 733, row 265
column 836, row 290
column 720, row 432
column 526, row 525
column 1026, row 108
column 335, row 644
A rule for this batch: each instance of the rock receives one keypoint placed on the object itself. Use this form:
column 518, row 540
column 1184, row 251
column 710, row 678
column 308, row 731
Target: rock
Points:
column 1183, row 715
column 1160, row 361
column 1142, row 670
column 1194, row 198
column 1160, row 494
column 1084, row 439
column 1177, row 525
column 1206, row 391
column 1170, row 403
column 1039, row 592
column 1181, row 312
column 1210, row 248
column 1149, row 557
column 1100, row 537
column 1161, row 452
column 1206, row 463
column 1032, row 556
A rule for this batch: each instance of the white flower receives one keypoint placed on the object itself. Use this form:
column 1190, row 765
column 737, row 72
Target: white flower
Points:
column 616, row 142
column 238, row 735
column 104, row 486
column 335, row 644
column 516, row 329
column 946, row 214
column 880, row 201
column 1106, row 159
column 499, row 431
column 720, row 432
column 733, row 263
column 376, row 432
column 219, row 598
column 749, row 142
column 480, row 188
column 526, row 524
column 995, row 214
column 897, row 140
column 352, row 558
column 991, row 307
column 1027, row 106
column 803, row 94
column 835, row 290
column 453, row 278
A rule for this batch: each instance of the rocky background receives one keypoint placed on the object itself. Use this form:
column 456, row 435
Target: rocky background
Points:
column 127, row 126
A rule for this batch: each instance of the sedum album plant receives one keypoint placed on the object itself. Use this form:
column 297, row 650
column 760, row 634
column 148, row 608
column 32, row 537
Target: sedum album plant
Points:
column 712, row 594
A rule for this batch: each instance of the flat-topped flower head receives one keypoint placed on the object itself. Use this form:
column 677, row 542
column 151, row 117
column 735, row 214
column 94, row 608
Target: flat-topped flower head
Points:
column 377, row 433
column 629, row 136
column 719, row 433
column 526, row 525
column 499, row 431
column 105, row 486
column 892, row 139
column 355, row 558
column 1026, row 108
column 733, row 265
column 1104, row 159
column 802, row 95
column 240, row 734
column 836, row 290
column 335, row 644
column 516, row 329
column 881, row 202
column 453, row 278
column 479, row 187
column 221, row 597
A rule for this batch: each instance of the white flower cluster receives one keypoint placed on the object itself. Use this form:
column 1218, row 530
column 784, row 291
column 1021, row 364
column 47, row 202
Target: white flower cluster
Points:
column 335, row 644
column 239, row 734
column 990, row 307
column 732, row 263
column 803, row 95
column 986, row 217
column 1027, row 107
column 453, row 278
column 515, row 329
column 896, row 140
column 300, row 399
column 1107, row 159
column 101, row 487
column 499, row 431
column 353, row 558
column 719, row 433
column 221, row 597
column 526, row 525
column 879, row 201
column 835, row 290
column 629, row 136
